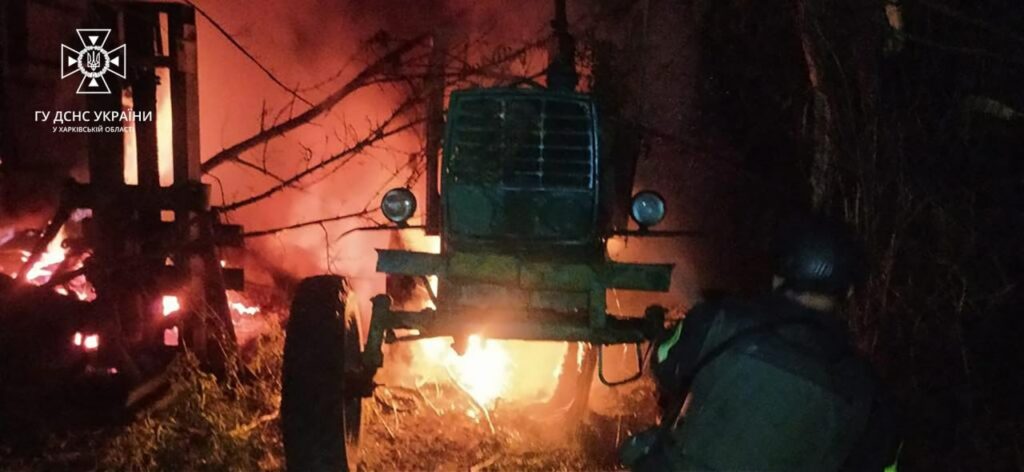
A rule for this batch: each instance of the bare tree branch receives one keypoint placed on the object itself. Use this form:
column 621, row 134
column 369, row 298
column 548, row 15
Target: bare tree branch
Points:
column 382, row 71
column 262, row 170
column 379, row 66
column 377, row 134
column 272, row 231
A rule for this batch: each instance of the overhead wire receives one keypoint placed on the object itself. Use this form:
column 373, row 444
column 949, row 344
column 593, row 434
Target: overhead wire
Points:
column 266, row 70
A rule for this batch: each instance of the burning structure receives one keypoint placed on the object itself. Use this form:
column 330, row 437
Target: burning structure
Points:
column 143, row 209
column 135, row 250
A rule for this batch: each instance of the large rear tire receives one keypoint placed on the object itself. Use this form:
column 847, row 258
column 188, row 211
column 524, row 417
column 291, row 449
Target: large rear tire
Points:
column 321, row 407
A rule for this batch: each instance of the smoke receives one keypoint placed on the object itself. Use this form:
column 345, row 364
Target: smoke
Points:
column 316, row 46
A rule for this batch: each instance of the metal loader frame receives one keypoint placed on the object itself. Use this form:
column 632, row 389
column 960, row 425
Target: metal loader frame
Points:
column 536, row 290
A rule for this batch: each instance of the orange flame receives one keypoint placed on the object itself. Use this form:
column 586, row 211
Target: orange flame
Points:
column 43, row 269
column 242, row 309
column 490, row 369
column 481, row 371
column 240, row 305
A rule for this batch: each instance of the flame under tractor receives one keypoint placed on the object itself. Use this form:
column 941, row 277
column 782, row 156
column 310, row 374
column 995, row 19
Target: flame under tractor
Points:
column 523, row 234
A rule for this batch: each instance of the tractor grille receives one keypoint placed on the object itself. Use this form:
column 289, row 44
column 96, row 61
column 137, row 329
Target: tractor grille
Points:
column 524, row 142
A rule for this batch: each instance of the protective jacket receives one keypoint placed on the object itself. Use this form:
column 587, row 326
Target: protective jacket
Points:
column 772, row 386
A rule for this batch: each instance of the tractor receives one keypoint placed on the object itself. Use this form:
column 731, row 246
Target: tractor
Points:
column 523, row 232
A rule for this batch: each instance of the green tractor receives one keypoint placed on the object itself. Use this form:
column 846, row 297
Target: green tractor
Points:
column 523, row 232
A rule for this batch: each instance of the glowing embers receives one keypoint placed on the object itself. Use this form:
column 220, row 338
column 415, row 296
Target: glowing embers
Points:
column 174, row 310
column 42, row 270
column 242, row 309
column 170, row 305
column 240, row 306
column 55, row 259
column 88, row 342
column 171, row 336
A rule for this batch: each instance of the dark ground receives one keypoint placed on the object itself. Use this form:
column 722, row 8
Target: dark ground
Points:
column 196, row 423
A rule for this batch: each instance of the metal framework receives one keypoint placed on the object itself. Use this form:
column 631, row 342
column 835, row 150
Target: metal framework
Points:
column 148, row 237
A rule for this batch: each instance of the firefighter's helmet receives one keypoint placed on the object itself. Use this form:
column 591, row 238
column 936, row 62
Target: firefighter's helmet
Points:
column 817, row 255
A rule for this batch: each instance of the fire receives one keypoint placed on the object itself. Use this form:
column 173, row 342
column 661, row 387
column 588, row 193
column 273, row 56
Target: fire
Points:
column 52, row 259
column 242, row 309
column 88, row 342
column 490, row 370
column 170, row 304
column 171, row 336
column 240, row 305
column 164, row 132
column 41, row 271
column 91, row 342
column 481, row 371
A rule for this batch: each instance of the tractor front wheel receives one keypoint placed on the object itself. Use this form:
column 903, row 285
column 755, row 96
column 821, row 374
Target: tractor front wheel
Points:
column 321, row 397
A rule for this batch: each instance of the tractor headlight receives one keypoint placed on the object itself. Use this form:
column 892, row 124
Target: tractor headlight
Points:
column 398, row 205
column 648, row 209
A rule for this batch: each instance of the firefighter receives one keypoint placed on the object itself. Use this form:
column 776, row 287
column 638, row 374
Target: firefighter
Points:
column 772, row 384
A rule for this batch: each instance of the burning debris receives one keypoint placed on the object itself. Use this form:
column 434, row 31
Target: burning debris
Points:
column 144, row 268
column 240, row 306
column 490, row 373
column 22, row 261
